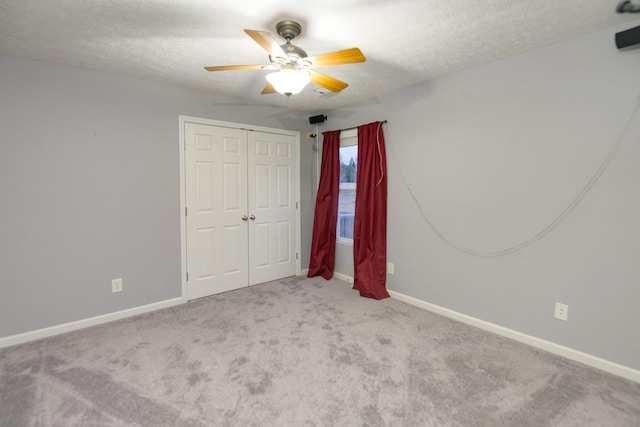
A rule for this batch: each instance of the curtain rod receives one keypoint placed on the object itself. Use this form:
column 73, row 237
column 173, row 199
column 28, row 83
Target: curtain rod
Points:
column 356, row 127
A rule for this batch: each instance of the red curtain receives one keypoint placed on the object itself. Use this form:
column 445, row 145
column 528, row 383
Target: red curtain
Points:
column 325, row 220
column 370, row 222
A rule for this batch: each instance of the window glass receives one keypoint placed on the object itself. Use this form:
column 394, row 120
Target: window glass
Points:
column 347, row 196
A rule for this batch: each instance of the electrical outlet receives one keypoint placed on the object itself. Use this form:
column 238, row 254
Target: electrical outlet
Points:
column 391, row 268
column 116, row 285
column 562, row 311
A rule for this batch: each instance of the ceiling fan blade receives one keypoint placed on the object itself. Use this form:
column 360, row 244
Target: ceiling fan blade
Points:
column 346, row 56
column 236, row 67
column 268, row 89
column 267, row 42
column 325, row 81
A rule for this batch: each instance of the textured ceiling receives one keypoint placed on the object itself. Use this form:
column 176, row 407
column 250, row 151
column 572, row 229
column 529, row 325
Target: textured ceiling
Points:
column 404, row 41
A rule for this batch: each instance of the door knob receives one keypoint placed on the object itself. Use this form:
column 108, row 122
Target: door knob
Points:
column 244, row 217
column 252, row 217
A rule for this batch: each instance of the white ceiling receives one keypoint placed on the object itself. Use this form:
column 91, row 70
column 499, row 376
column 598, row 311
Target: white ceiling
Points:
column 404, row 41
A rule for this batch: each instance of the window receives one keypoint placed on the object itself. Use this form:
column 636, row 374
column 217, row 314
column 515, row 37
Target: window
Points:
column 347, row 195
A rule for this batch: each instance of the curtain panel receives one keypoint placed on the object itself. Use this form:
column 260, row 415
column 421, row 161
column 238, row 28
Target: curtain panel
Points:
column 370, row 223
column 323, row 241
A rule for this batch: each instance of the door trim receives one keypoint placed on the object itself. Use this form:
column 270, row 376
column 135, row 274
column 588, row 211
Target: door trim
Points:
column 183, row 120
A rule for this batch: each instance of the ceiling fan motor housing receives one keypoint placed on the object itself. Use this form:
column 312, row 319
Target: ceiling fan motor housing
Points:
column 294, row 50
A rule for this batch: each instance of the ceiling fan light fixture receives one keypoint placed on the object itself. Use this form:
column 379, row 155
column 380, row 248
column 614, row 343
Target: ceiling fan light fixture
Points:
column 293, row 63
column 289, row 81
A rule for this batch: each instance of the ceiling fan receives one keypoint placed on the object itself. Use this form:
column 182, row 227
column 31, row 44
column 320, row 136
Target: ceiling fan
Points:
column 292, row 67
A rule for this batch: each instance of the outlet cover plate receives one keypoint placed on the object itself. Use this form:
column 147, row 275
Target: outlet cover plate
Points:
column 562, row 311
column 116, row 285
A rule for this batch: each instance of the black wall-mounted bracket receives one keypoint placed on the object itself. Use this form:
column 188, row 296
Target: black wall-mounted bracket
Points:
column 317, row 119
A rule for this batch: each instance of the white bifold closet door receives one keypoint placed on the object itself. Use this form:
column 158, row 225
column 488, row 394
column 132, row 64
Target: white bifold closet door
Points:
column 241, row 208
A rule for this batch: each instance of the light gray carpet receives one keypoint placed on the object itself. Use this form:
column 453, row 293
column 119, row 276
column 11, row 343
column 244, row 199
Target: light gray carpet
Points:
column 301, row 352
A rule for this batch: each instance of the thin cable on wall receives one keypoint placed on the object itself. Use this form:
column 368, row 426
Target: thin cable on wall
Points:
column 603, row 167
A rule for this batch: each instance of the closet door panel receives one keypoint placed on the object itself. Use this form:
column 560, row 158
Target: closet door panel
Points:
column 216, row 201
column 272, row 244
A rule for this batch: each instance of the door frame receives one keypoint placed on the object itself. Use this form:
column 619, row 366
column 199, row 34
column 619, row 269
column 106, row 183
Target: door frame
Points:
column 183, row 120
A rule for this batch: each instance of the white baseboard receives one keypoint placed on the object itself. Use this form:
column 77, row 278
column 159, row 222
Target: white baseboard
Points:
column 304, row 272
column 84, row 323
column 560, row 350
column 336, row 275
column 344, row 277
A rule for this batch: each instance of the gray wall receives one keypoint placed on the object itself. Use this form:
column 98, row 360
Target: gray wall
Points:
column 89, row 189
column 495, row 153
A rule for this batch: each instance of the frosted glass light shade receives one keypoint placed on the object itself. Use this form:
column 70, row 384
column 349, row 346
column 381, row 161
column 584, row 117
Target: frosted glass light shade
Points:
column 288, row 81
